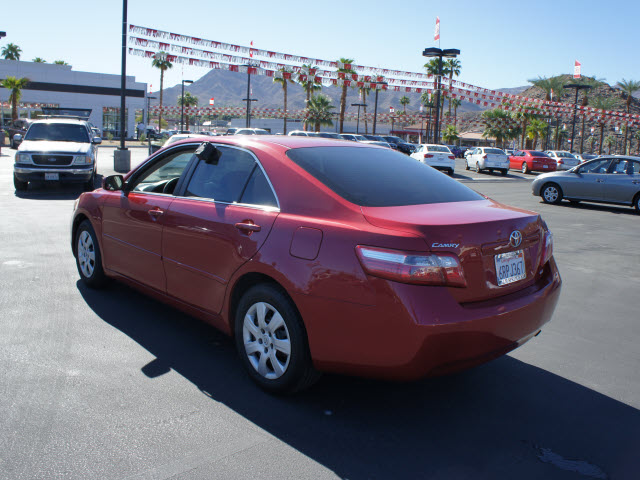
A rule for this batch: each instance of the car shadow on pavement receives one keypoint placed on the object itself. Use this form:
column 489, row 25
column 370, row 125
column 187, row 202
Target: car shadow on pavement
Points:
column 598, row 207
column 45, row 191
column 507, row 419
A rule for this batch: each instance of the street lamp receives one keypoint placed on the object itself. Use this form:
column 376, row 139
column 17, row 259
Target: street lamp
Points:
column 148, row 120
column 3, row 34
column 122, row 156
column 375, row 109
column 577, row 87
column 439, row 53
column 182, row 105
column 358, row 105
column 248, row 99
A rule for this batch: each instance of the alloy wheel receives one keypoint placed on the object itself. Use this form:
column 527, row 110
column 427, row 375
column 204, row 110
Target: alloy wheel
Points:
column 550, row 194
column 86, row 254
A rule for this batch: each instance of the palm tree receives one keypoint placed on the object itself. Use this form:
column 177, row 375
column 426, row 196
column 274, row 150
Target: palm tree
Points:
column 404, row 101
column 536, row 129
column 364, row 93
column 450, row 134
column 60, row 62
column 548, row 85
column 456, row 102
column 523, row 119
column 637, row 137
column 499, row 125
column 593, row 82
column 160, row 61
column 603, row 103
column 629, row 87
column 343, row 97
column 284, row 81
column 11, row 52
column 39, row 60
column 15, row 86
column 188, row 101
column 319, row 111
column 609, row 142
column 453, row 67
column 310, row 85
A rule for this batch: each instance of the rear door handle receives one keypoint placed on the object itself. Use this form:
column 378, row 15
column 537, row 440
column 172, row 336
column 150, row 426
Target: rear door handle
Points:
column 155, row 213
column 599, row 180
column 248, row 228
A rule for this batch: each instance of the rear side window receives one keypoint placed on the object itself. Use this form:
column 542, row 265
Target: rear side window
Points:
column 493, row 150
column 258, row 191
column 376, row 177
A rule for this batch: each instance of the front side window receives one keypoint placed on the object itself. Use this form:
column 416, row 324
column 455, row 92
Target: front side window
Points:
column 163, row 175
column 226, row 181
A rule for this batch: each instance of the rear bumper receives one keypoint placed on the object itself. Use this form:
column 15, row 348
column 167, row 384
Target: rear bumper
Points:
column 65, row 174
column 415, row 331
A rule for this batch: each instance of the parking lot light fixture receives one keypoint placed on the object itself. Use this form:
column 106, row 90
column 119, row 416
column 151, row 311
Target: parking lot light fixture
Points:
column 358, row 122
column 439, row 53
column 182, row 104
column 577, row 87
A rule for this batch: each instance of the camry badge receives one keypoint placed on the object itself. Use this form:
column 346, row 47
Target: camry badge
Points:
column 515, row 239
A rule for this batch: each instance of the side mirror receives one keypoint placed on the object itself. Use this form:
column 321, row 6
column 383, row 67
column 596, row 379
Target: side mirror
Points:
column 17, row 139
column 113, row 182
column 97, row 140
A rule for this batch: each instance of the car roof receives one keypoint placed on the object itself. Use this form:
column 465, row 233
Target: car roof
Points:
column 74, row 121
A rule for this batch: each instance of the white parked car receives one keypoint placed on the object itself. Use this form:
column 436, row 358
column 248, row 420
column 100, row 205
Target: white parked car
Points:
column 487, row 158
column 436, row 156
column 565, row 160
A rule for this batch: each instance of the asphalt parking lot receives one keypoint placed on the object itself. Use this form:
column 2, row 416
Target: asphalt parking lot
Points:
column 113, row 385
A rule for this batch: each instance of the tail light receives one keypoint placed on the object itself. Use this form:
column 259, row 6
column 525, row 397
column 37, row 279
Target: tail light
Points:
column 560, row 161
column 484, row 156
column 452, row 157
column 422, row 269
column 428, row 155
column 547, row 246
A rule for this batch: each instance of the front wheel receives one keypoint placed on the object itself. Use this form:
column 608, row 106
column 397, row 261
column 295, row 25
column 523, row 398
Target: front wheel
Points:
column 88, row 256
column 551, row 193
column 89, row 185
column 636, row 203
column 271, row 341
column 19, row 185
column 504, row 172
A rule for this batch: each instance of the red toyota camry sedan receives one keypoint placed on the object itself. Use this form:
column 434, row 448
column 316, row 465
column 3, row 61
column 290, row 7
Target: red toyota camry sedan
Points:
column 322, row 255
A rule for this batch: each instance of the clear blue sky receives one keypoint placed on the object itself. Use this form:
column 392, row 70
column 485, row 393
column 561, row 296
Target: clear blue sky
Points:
column 503, row 43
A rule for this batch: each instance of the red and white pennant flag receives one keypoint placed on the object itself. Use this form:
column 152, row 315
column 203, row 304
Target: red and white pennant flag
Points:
column 576, row 69
column 436, row 35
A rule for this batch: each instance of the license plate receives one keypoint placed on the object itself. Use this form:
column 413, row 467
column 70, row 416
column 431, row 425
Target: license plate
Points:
column 51, row 176
column 510, row 267
column 545, row 166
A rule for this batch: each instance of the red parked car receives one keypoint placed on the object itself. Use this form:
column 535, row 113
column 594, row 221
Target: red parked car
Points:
column 528, row 161
column 320, row 255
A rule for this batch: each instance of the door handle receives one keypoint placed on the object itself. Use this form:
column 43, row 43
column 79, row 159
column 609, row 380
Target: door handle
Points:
column 599, row 180
column 248, row 228
column 155, row 213
column 635, row 182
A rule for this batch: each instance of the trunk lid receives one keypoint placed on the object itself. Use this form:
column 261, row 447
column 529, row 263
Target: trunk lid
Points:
column 476, row 231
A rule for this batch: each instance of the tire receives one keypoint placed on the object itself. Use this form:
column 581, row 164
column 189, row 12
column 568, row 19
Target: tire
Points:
column 90, row 185
column 450, row 172
column 636, row 202
column 88, row 256
column 504, row 172
column 525, row 168
column 551, row 193
column 19, row 185
column 466, row 164
column 478, row 169
column 279, row 367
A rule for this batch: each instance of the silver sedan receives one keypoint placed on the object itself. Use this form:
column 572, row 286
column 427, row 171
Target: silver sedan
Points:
column 611, row 179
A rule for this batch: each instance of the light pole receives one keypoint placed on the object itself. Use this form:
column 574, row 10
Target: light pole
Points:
column 577, row 88
column 148, row 120
column 122, row 156
column 182, row 105
column 248, row 99
column 439, row 53
column 358, row 122
column 375, row 109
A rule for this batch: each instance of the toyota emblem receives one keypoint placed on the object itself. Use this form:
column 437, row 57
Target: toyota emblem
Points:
column 515, row 239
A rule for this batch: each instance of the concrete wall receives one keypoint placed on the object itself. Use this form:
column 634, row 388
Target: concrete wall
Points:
column 65, row 75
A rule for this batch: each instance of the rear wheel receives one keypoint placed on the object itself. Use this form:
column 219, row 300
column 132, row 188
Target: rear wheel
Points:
column 478, row 169
column 525, row 168
column 551, row 193
column 466, row 164
column 18, row 184
column 504, row 172
column 272, row 342
column 450, row 172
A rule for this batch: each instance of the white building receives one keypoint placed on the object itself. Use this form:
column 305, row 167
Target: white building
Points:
column 61, row 86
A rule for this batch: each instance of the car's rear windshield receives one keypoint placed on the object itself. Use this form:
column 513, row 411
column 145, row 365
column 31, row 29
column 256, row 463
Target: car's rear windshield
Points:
column 493, row 150
column 437, row 148
column 535, row 153
column 377, row 177
column 57, row 132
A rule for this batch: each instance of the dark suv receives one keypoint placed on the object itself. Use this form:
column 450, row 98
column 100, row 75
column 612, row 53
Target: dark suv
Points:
column 400, row 144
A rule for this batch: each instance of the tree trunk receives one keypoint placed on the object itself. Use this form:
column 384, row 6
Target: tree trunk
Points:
column 14, row 106
column 160, row 114
column 601, row 138
column 524, row 134
column 343, row 106
column 450, row 82
column 304, row 125
column 364, row 102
